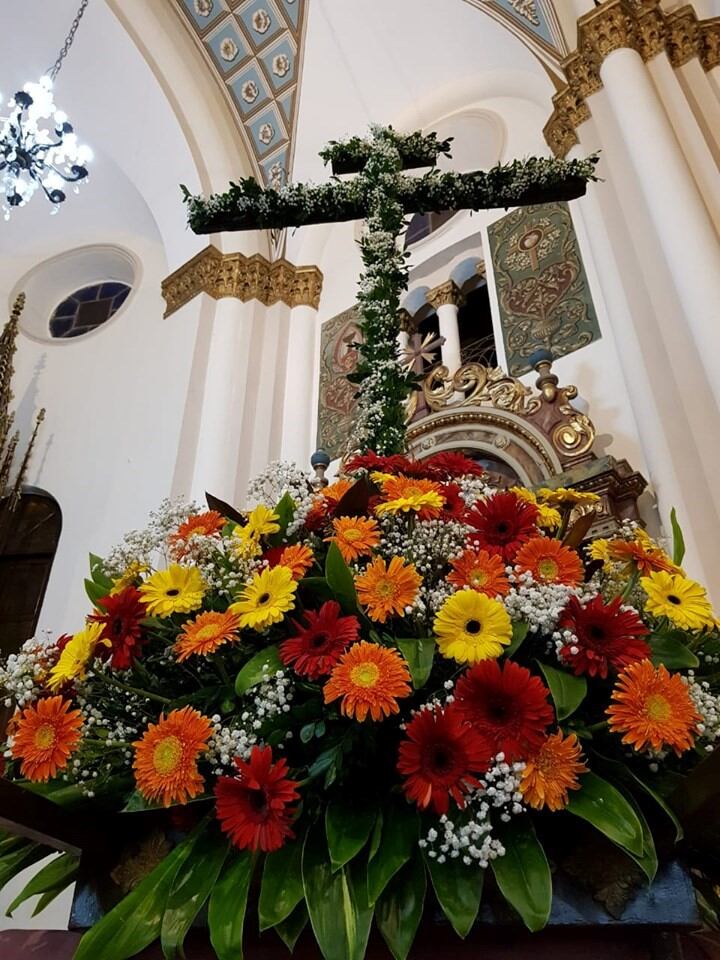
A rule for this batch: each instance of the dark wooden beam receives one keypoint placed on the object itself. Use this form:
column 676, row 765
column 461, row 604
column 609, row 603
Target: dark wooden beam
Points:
column 26, row 814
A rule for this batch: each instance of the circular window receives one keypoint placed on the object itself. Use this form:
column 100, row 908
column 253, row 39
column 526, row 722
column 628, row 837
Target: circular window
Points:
column 87, row 309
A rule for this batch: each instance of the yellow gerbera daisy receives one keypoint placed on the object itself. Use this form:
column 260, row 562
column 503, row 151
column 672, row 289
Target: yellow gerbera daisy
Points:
column 130, row 575
column 266, row 599
column 566, row 497
column 548, row 517
column 471, row 627
column 406, row 495
column 76, row 655
column 246, row 545
column 683, row 601
column 599, row 550
column 175, row 590
column 262, row 520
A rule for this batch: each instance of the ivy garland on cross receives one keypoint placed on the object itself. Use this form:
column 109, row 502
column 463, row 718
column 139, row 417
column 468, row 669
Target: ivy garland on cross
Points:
column 383, row 196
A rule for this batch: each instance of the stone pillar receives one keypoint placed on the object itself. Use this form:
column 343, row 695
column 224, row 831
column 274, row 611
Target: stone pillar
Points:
column 298, row 408
column 446, row 300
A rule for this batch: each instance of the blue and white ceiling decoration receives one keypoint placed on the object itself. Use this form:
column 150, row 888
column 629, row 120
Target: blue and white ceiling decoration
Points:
column 256, row 48
column 534, row 21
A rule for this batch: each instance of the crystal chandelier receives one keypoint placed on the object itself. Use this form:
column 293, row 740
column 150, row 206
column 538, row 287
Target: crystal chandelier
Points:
column 38, row 146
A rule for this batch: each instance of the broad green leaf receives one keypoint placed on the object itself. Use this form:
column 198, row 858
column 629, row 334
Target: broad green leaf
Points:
column 60, row 872
column 262, row 666
column 47, row 898
column 648, row 859
column 376, row 836
column 399, row 908
column 228, row 903
column 618, row 771
column 318, row 586
column 137, row 803
column 348, row 828
column 419, row 653
column 94, row 591
column 458, row 889
column 135, row 922
column 290, row 929
column 668, row 650
column 14, row 863
column 519, row 632
column 193, row 884
column 602, row 805
column 567, row 690
column 397, row 844
column 98, row 574
column 340, row 578
column 285, row 511
column 282, row 884
column 337, row 901
column 523, row 873
column 678, row 539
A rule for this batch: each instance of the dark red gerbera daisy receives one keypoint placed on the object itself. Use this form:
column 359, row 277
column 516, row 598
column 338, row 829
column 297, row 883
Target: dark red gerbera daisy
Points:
column 507, row 705
column 315, row 650
column 607, row 636
column 503, row 523
column 123, row 615
column 452, row 464
column 394, row 464
column 441, row 758
column 254, row 807
column 455, row 507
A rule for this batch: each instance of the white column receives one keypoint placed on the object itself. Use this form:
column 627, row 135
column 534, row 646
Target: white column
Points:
column 680, row 218
column 299, row 421
column 446, row 300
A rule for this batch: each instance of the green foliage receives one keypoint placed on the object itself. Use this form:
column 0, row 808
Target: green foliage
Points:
column 340, row 579
column 290, row 929
column 419, row 653
column 260, row 667
column 282, row 885
column 602, row 805
column 348, row 827
column 54, row 877
column 567, row 690
column 397, row 843
column 668, row 649
column 228, row 904
column 458, row 890
column 523, row 874
column 399, row 909
column 678, row 539
column 519, row 633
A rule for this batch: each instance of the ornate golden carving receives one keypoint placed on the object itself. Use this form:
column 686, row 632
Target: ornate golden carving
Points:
column 479, row 386
column 445, row 293
column 640, row 25
column 245, row 278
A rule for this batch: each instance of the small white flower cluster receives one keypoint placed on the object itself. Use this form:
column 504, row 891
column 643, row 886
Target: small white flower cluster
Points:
column 226, row 743
column 563, row 640
column 541, row 604
column 144, row 546
column 472, row 836
column 270, row 698
column 708, row 706
column 22, row 673
column 223, row 567
column 473, row 489
column 277, row 479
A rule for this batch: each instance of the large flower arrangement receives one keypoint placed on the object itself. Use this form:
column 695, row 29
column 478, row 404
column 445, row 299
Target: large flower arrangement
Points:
column 358, row 695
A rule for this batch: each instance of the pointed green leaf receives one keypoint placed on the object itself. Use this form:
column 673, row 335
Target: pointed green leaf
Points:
column 602, row 805
column 671, row 652
column 567, row 690
column 619, row 772
column 290, row 929
column 14, row 863
column 419, row 653
column 523, row 873
column 678, row 539
column 458, row 889
column 348, row 828
column 97, row 573
column 400, row 906
column 47, row 898
column 192, row 886
column 376, row 836
column 282, row 884
column 340, row 578
column 398, row 842
column 60, row 872
column 648, row 859
column 285, row 511
column 262, row 666
column 94, row 591
column 228, row 903
column 519, row 632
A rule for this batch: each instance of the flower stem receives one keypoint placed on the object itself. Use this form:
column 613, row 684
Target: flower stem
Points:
column 140, row 693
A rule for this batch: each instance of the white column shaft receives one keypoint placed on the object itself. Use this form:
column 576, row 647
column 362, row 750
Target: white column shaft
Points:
column 299, row 414
column 447, row 315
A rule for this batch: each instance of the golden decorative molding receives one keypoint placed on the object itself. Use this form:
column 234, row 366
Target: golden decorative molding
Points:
column 640, row 25
column 244, row 278
column 445, row 293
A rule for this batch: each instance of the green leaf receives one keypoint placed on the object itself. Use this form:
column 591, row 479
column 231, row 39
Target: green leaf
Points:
column 94, row 591
column 648, row 859
column 398, row 841
column 567, row 690
column 136, row 921
column 519, row 632
column 47, row 898
column 97, row 573
column 602, row 805
column 376, row 836
column 419, row 653
column 285, row 511
column 193, row 884
column 348, row 828
column 337, row 901
column 14, row 863
column 523, row 874
column 228, row 903
column 138, row 804
column 399, row 909
column 668, row 650
column 458, row 889
column 282, row 884
column 59, row 873
column 289, row 930
column 340, row 578
column 262, row 666
column 678, row 539
column 618, row 771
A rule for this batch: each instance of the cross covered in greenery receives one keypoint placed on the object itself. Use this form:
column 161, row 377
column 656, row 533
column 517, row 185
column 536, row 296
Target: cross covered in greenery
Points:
column 383, row 196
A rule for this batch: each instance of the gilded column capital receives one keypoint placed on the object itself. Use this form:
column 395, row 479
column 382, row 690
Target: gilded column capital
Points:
column 445, row 293
column 244, row 278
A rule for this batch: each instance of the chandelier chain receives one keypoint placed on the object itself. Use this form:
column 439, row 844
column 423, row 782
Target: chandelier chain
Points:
column 55, row 69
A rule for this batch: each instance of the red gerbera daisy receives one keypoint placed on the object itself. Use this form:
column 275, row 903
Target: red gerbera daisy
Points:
column 451, row 464
column 455, row 507
column 503, row 523
column 441, row 759
column 607, row 636
column 315, row 650
column 393, row 464
column 254, row 807
column 124, row 612
column 507, row 704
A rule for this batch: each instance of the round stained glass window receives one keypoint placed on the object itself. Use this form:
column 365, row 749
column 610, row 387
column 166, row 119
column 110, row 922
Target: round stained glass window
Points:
column 87, row 309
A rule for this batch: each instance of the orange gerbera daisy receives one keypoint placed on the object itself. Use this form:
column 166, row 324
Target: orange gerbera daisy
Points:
column 202, row 525
column 387, row 589
column 166, row 757
column 411, row 495
column 653, row 708
column 481, row 571
column 549, row 561
column 337, row 490
column 298, row 559
column 44, row 738
column 206, row 633
column 369, row 678
column 355, row 536
column 646, row 556
column 552, row 771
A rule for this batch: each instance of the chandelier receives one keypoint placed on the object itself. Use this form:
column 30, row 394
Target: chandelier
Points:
column 38, row 145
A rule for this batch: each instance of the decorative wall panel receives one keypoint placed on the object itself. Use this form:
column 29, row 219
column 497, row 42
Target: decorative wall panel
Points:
column 541, row 284
column 338, row 358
